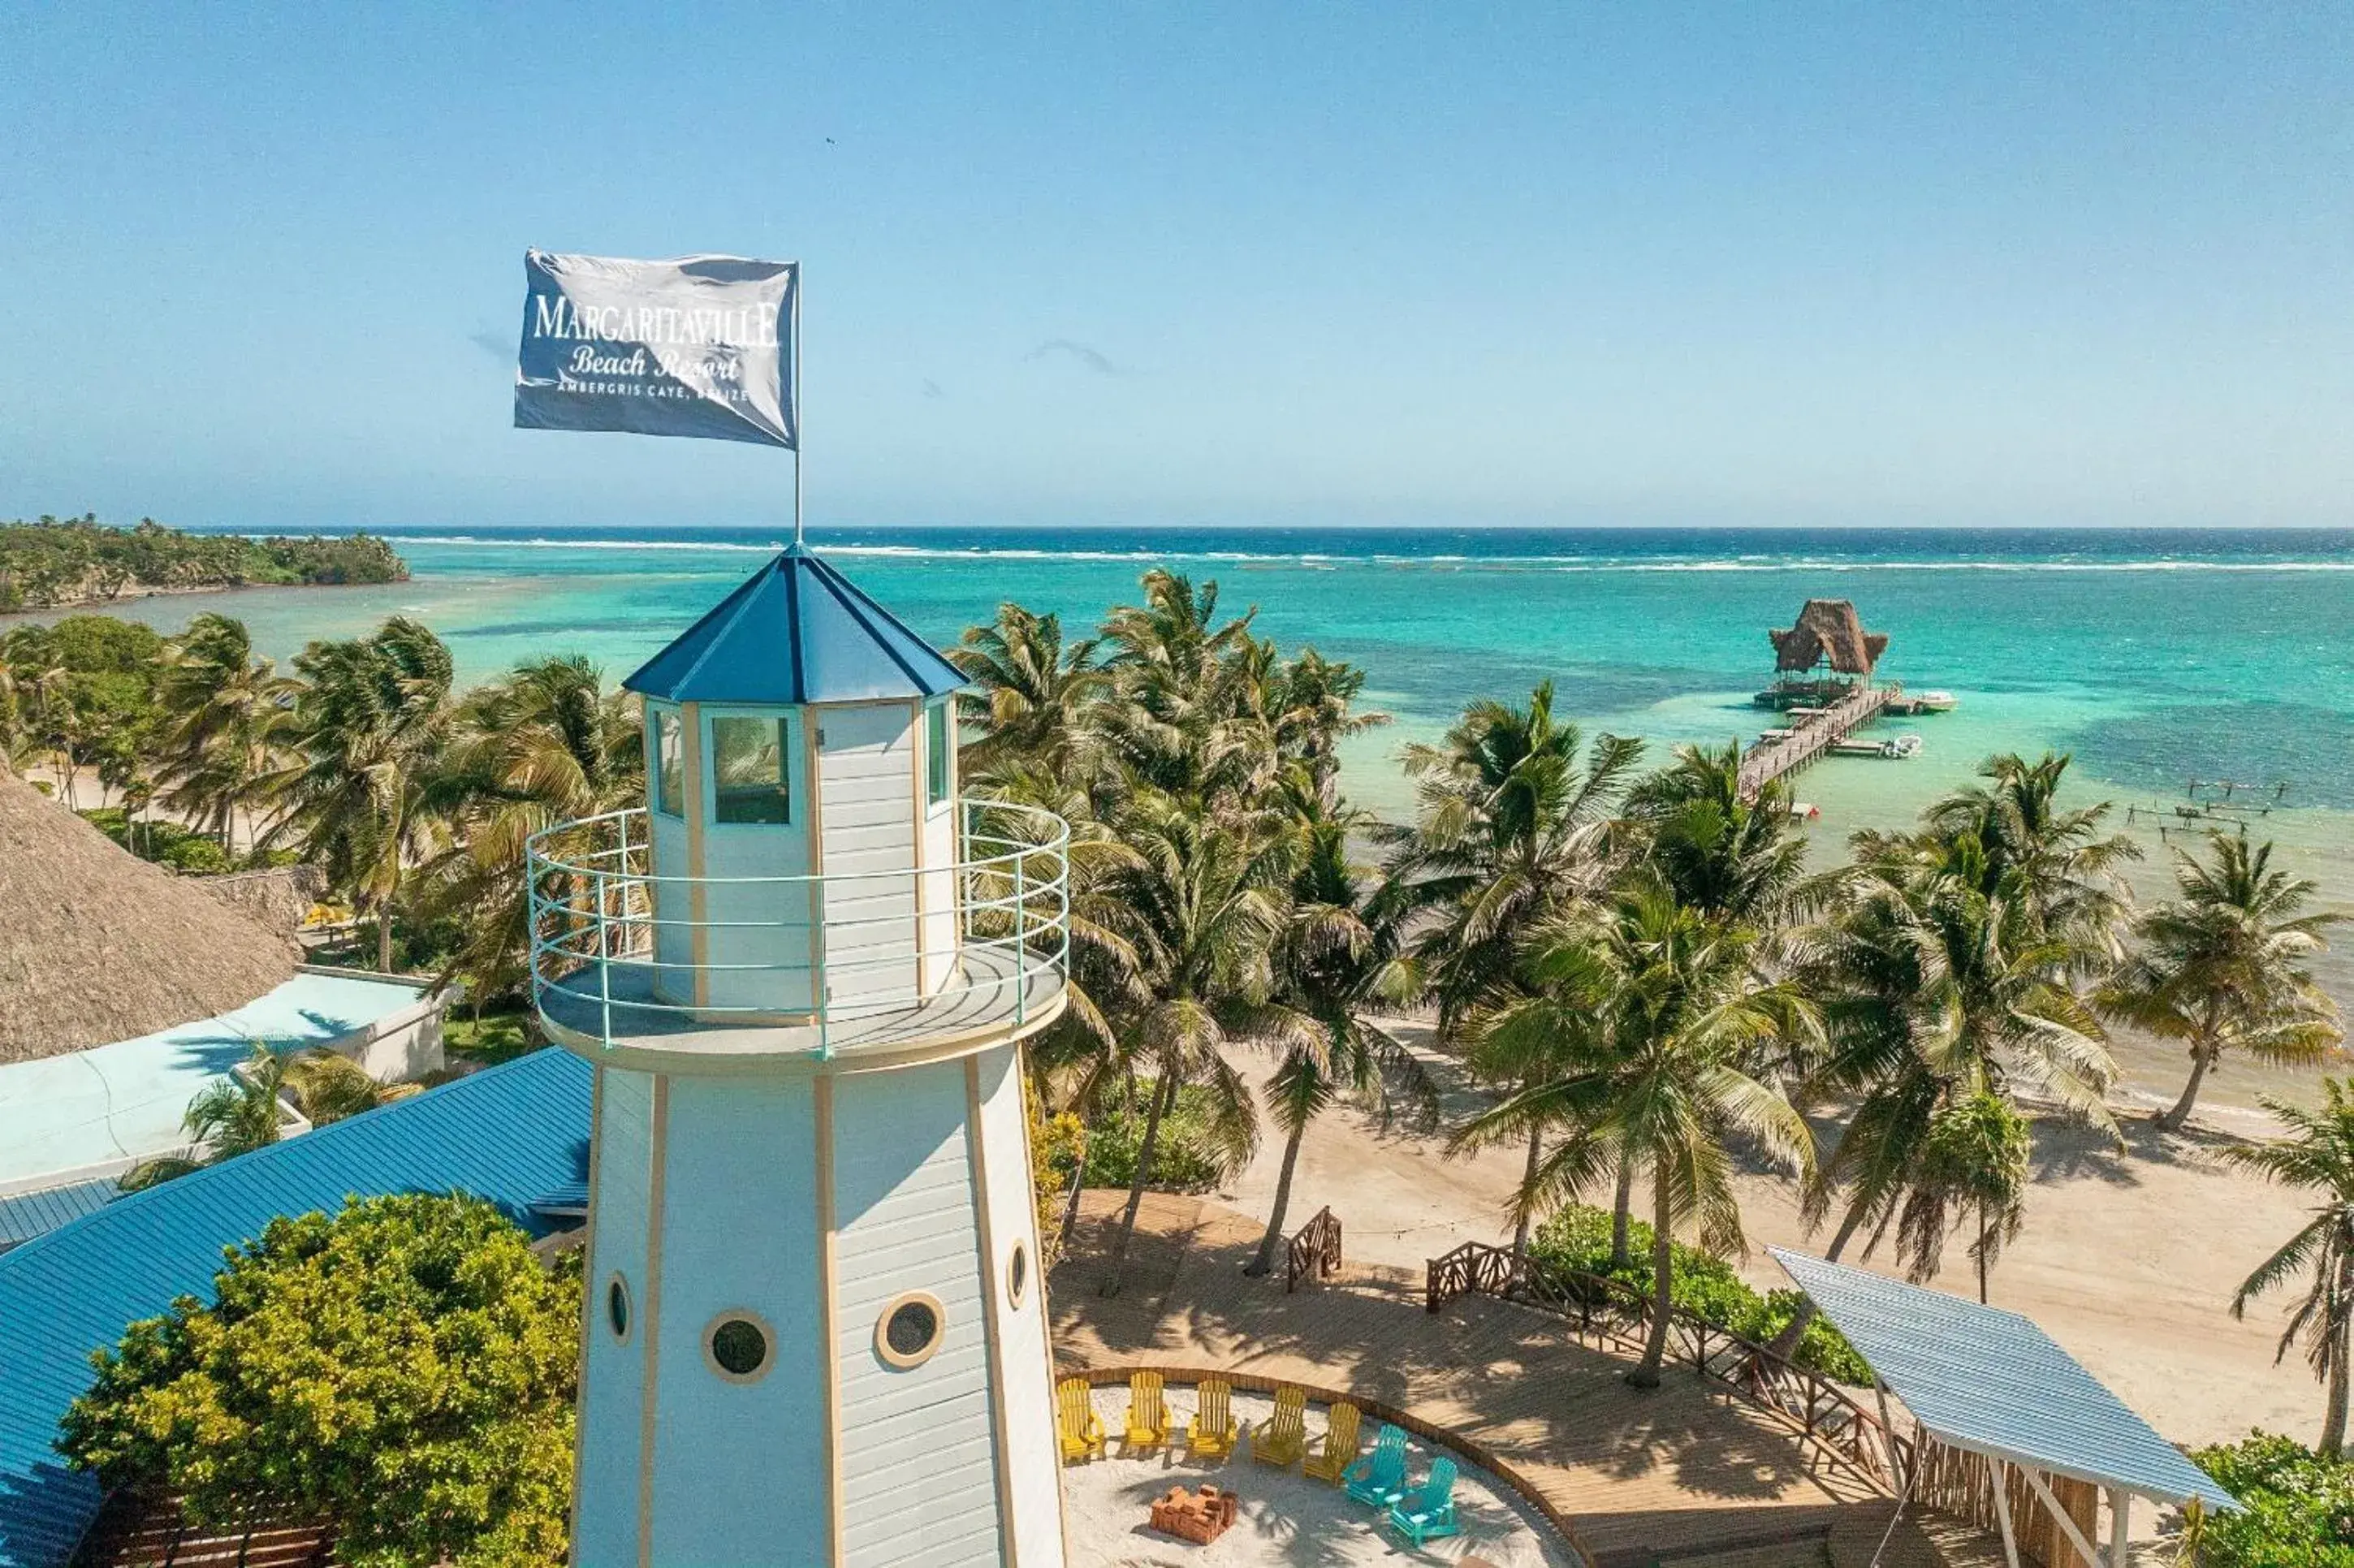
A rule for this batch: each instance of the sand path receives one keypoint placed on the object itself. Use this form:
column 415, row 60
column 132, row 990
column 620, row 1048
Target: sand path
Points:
column 2128, row 1259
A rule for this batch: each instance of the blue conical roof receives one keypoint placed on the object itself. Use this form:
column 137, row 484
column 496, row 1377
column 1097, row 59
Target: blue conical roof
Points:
column 796, row 631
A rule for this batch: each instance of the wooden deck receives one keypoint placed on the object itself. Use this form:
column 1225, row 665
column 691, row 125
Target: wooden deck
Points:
column 1685, row 1471
column 1815, row 737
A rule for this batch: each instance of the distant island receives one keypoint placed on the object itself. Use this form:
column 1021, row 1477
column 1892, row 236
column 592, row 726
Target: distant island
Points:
column 62, row 563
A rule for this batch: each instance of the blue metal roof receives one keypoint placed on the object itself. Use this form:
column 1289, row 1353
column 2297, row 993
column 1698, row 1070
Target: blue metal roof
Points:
column 509, row 1135
column 796, row 631
column 30, row 1215
column 1991, row 1380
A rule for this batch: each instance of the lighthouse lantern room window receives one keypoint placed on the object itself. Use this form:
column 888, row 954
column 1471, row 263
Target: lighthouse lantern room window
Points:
column 669, row 763
column 751, row 768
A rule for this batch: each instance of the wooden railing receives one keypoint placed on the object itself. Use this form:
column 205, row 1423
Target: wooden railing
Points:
column 1314, row 1252
column 1611, row 1315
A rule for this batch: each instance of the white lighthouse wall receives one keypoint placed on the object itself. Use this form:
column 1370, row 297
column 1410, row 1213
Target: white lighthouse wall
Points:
column 940, row 890
column 612, row 1381
column 867, row 821
column 916, row 1443
column 739, row 1233
column 1023, row 1376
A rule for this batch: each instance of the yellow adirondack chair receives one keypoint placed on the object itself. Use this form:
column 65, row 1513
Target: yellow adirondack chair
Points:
column 1282, row 1437
column 1211, row 1434
column 1077, row 1424
column 1339, row 1448
column 1147, row 1416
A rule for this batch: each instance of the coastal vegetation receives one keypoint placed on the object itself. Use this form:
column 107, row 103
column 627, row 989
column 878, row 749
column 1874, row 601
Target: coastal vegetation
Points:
column 1631, row 956
column 2296, row 1508
column 56, row 563
column 402, row 1372
column 2316, row 1155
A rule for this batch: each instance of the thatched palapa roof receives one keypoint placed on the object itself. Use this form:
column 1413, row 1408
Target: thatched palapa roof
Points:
column 96, row 945
column 1829, row 629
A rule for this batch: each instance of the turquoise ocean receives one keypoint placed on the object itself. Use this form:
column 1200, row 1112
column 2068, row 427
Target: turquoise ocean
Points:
column 2155, row 658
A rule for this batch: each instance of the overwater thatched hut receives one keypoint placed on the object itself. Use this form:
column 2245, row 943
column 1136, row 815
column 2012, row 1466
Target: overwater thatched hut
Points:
column 97, row 945
column 1824, row 655
column 1830, row 635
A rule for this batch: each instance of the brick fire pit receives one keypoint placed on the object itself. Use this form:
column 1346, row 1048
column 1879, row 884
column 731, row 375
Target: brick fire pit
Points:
column 1200, row 1517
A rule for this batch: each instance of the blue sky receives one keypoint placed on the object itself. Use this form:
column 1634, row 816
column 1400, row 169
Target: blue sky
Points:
column 1156, row 264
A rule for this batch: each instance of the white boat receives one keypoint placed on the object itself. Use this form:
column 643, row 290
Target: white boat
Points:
column 1900, row 746
column 1936, row 702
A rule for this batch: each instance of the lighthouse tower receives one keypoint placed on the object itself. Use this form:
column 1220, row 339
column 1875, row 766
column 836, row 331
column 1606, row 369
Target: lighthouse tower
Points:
column 816, row 1332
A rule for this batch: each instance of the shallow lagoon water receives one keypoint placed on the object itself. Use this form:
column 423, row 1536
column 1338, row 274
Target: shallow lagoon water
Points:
column 2154, row 657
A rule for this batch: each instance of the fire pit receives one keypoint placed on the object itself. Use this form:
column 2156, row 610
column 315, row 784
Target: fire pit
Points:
column 1200, row 1517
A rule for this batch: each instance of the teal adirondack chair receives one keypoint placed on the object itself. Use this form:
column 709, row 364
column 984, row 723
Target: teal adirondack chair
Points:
column 1427, row 1512
column 1378, row 1478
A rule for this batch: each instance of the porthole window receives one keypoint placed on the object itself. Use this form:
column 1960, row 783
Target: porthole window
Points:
column 1017, row 1275
column 738, row 1347
column 617, row 1306
column 910, row 1330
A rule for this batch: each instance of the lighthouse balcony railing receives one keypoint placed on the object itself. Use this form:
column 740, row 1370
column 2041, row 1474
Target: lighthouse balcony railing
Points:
column 620, row 955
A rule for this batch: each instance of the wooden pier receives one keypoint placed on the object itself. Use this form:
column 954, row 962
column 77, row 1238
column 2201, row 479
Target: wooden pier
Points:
column 1814, row 735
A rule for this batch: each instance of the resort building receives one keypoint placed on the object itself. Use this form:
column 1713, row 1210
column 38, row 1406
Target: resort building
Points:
column 125, row 990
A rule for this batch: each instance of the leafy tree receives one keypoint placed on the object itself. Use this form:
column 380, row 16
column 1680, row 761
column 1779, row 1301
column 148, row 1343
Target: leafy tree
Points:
column 1336, row 963
column 2318, row 1154
column 543, row 745
column 229, row 716
column 1663, row 1084
column 362, row 798
column 403, row 1372
column 1509, row 830
column 1202, row 907
column 1728, row 857
column 244, row 1110
column 1034, row 693
column 2222, row 968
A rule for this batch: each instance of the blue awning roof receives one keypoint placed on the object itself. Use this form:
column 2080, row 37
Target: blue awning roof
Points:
column 797, row 632
column 509, row 1135
column 1992, row 1382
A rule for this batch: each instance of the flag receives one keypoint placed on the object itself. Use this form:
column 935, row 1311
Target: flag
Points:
column 698, row 346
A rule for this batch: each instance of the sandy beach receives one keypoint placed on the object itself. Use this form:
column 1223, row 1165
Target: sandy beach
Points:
column 2128, row 1258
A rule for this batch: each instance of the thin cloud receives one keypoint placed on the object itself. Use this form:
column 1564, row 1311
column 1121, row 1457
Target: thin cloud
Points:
column 1086, row 357
column 495, row 345
column 932, row 388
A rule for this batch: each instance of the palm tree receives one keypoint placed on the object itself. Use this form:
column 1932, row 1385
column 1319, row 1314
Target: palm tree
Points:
column 1033, row 690
column 1659, row 1080
column 246, row 1110
column 360, row 799
column 1934, row 991
column 1509, row 830
column 1190, row 716
column 1728, row 857
column 1202, row 907
column 229, row 716
column 2222, row 968
column 1337, row 961
column 2057, row 864
column 2319, row 1153
column 543, row 745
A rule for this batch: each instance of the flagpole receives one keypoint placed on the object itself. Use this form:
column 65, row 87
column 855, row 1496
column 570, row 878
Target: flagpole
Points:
column 797, row 403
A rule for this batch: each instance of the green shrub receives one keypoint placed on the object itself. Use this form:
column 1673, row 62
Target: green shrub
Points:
column 2297, row 1509
column 403, row 1371
column 1578, row 1239
column 1186, row 1160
